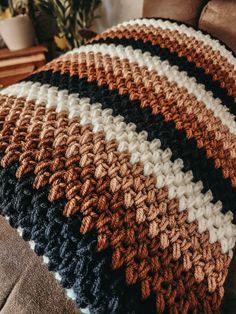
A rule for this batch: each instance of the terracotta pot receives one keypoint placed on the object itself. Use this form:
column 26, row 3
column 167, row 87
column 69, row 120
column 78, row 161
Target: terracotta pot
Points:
column 17, row 32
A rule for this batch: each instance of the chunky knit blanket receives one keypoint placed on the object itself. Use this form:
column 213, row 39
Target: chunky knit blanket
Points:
column 118, row 165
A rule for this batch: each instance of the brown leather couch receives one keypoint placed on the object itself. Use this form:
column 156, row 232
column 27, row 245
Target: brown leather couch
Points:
column 217, row 17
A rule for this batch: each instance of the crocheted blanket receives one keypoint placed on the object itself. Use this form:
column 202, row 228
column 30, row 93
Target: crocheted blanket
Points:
column 118, row 165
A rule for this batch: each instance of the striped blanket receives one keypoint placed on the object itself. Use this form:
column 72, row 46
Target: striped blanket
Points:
column 118, row 165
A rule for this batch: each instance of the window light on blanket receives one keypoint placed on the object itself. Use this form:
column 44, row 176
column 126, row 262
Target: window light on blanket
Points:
column 118, row 165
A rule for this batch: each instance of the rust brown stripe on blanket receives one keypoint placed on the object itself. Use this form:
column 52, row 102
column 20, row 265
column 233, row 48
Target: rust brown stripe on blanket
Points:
column 203, row 57
column 155, row 91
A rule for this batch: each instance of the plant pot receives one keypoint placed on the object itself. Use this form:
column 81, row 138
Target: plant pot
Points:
column 17, row 32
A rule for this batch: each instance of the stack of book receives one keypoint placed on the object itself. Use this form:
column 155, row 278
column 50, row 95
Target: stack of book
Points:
column 16, row 65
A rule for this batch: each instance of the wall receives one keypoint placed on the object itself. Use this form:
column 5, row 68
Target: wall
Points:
column 113, row 12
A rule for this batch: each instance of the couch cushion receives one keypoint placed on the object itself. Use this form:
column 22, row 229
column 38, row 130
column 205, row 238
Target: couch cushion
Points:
column 219, row 19
column 187, row 11
column 27, row 287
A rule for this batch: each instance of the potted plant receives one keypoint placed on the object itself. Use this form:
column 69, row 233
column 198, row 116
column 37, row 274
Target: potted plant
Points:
column 17, row 31
column 74, row 18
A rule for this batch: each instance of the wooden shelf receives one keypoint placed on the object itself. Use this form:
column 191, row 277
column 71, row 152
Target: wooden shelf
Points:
column 7, row 54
